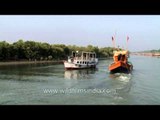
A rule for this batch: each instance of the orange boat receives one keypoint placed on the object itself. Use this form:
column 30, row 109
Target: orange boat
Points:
column 121, row 63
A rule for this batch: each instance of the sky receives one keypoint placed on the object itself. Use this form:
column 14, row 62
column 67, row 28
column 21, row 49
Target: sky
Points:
column 83, row 30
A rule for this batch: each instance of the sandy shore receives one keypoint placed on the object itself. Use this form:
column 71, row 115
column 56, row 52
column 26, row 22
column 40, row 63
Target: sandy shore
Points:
column 28, row 62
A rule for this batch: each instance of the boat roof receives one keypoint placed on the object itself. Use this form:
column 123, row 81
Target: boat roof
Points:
column 88, row 52
column 84, row 52
column 123, row 52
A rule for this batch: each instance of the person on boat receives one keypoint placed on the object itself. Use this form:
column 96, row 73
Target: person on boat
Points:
column 124, row 59
column 119, row 57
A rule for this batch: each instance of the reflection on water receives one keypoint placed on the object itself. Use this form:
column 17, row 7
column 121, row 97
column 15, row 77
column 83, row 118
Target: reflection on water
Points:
column 79, row 74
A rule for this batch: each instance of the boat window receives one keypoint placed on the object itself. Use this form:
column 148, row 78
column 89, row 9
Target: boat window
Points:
column 77, row 61
column 85, row 62
column 74, row 54
column 119, row 56
column 80, row 62
column 123, row 57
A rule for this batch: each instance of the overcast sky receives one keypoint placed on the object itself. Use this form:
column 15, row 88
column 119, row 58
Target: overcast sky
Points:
column 82, row 30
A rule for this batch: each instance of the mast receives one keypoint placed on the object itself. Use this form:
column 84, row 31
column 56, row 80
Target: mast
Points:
column 113, row 40
column 115, row 35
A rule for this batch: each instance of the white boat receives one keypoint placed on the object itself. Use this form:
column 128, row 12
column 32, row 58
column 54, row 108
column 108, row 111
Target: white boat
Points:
column 81, row 60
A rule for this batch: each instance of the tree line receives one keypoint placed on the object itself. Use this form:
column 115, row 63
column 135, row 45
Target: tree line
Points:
column 31, row 50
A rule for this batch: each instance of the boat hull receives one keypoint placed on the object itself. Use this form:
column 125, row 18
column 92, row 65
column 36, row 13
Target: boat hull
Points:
column 69, row 65
column 121, row 67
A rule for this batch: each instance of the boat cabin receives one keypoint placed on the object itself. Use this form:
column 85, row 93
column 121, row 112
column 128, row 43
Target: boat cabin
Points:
column 83, row 58
column 120, row 56
column 83, row 55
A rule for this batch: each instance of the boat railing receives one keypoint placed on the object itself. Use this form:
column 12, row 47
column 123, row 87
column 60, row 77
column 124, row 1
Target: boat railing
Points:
column 80, row 58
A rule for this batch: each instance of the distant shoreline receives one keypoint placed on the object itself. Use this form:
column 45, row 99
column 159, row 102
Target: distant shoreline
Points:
column 146, row 54
column 3, row 63
column 28, row 62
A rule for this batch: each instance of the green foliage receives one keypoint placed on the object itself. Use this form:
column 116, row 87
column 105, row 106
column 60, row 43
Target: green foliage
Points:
column 31, row 50
column 4, row 50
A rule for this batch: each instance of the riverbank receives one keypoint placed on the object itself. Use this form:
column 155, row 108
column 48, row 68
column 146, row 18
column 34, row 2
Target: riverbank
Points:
column 146, row 54
column 29, row 62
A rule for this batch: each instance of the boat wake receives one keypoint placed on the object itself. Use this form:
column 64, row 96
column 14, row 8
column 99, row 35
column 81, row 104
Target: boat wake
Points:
column 122, row 77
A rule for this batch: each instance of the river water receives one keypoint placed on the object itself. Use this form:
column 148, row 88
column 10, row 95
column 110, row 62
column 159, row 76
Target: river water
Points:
column 48, row 84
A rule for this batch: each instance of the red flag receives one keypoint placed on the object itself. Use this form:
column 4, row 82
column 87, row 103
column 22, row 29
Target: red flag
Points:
column 127, row 38
column 112, row 38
